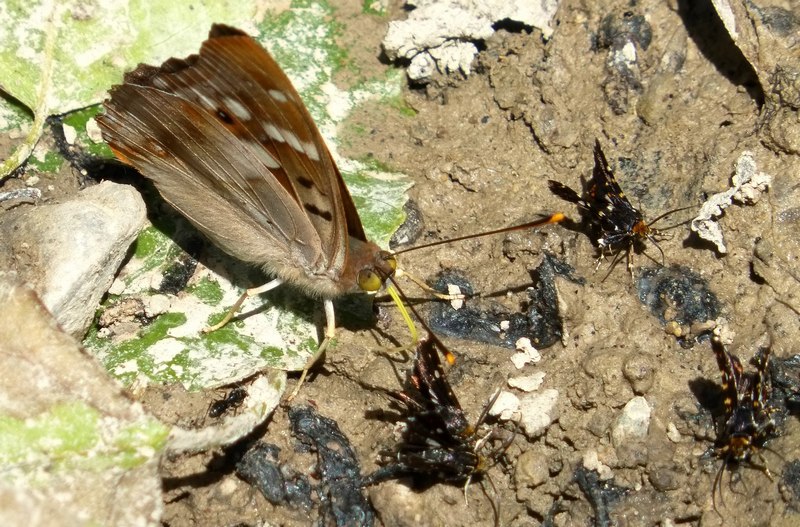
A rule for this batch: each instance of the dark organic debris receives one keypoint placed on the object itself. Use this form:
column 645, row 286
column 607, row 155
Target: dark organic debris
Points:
column 339, row 491
column 616, row 31
column 786, row 384
column 541, row 323
column 412, row 227
column 178, row 274
column 791, row 479
column 279, row 484
column 601, row 495
column 677, row 295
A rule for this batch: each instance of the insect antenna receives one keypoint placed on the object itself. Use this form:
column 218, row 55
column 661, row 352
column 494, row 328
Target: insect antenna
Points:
column 396, row 293
column 495, row 505
column 669, row 213
column 553, row 218
column 654, row 242
column 717, row 486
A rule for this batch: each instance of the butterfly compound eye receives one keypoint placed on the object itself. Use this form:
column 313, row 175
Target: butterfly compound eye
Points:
column 390, row 260
column 369, row 280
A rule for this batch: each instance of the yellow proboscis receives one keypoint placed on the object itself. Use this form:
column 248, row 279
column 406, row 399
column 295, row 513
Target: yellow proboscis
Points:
column 403, row 311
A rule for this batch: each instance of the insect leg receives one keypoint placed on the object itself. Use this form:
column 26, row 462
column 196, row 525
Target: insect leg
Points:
column 330, row 332
column 250, row 292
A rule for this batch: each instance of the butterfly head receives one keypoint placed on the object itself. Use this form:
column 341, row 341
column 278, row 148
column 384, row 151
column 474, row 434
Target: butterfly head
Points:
column 373, row 276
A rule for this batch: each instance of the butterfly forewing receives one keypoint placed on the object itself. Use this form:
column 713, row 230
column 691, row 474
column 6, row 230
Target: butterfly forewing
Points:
column 187, row 154
column 227, row 141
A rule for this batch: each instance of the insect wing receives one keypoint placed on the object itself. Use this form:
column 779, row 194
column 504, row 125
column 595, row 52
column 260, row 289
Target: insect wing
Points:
column 437, row 395
column 731, row 368
column 227, row 125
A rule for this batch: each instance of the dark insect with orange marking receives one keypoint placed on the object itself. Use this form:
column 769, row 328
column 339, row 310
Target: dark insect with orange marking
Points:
column 619, row 224
column 437, row 441
column 748, row 421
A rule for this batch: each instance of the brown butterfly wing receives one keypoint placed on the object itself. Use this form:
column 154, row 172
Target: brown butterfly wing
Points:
column 227, row 140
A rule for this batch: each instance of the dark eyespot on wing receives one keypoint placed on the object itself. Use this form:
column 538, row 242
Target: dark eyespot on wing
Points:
column 313, row 209
column 306, row 182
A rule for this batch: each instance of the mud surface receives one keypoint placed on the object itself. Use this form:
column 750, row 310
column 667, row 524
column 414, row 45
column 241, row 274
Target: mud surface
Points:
column 480, row 151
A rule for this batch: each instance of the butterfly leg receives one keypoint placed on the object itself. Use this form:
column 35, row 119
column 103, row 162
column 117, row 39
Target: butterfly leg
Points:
column 272, row 284
column 330, row 332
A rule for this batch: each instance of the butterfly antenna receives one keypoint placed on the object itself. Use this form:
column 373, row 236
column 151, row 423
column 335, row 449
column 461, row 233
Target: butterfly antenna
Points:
column 553, row 218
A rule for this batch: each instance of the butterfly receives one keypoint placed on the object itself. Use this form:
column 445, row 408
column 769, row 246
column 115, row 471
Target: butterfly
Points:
column 620, row 225
column 227, row 141
column 438, row 441
column 748, row 420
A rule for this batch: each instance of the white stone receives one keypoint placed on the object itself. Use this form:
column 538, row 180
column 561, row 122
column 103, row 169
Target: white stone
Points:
column 156, row 305
column 454, row 290
column 506, row 406
column 747, row 184
column 633, row 423
column 440, row 34
column 526, row 353
column 93, row 131
column 70, row 134
column 591, row 461
column 527, row 383
column 673, row 434
column 538, row 411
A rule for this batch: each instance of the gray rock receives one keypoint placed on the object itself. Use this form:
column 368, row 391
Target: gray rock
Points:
column 90, row 454
column 70, row 252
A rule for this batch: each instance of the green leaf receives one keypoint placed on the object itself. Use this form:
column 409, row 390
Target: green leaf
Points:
column 61, row 56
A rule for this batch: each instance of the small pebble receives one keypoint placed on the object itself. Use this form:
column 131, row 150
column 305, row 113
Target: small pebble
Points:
column 527, row 383
column 506, row 406
column 539, row 410
column 633, row 422
column 526, row 353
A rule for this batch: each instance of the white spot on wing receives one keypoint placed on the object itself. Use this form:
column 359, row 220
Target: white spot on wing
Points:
column 311, row 150
column 237, row 109
column 293, row 141
column 278, row 95
column 273, row 132
column 160, row 83
column 205, row 101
